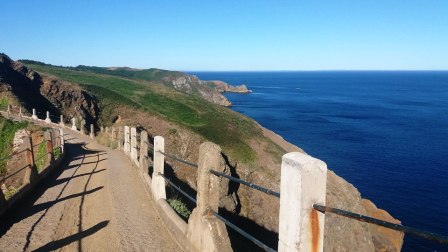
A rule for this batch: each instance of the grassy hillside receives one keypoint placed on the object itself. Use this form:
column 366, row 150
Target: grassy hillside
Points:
column 230, row 130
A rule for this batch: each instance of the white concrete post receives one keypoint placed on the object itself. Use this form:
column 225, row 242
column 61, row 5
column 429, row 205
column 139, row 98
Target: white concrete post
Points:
column 144, row 144
column 127, row 146
column 34, row 116
column 134, row 154
column 61, row 123
column 92, row 133
column 74, row 124
column 9, row 110
column 303, row 183
column 48, row 120
column 61, row 135
column 20, row 113
column 83, row 127
column 158, row 183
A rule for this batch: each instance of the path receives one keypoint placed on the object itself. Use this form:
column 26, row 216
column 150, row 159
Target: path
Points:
column 95, row 201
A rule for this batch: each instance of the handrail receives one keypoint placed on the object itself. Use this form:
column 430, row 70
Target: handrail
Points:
column 228, row 223
column 10, row 175
column 243, row 233
column 178, row 159
column 177, row 188
column 251, row 185
column 12, row 155
column 390, row 225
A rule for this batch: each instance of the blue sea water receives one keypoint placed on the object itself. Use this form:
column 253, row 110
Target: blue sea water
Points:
column 386, row 132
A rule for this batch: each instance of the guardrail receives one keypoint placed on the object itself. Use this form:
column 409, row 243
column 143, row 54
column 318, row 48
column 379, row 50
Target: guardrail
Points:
column 53, row 139
column 302, row 203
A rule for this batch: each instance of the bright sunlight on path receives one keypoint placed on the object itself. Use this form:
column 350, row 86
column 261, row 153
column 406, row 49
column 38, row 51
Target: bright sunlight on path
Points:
column 94, row 202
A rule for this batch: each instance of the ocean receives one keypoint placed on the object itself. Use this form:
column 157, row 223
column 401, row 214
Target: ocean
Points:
column 386, row 132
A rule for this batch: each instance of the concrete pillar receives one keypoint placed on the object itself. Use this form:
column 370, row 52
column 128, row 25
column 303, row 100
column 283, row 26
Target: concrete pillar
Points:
column 34, row 116
column 205, row 231
column 20, row 113
column 47, row 119
column 74, row 124
column 134, row 153
column 158, row 183
column 92, row 133
column 83, row 127
column 120, row 138
column 113, row 133
column 127, row 145
column 3, row 202
column 9, row 110
column 303, row 183
column 31, row 174
column 102, row 129
column 61, row 121
column 144, row 146
column 61, row 135
column 107, row 130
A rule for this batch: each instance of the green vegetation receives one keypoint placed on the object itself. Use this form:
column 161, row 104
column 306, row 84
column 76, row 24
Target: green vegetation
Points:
column 4, row 103
column 232, row 131
column 56, row 152
column 7, row 130
column 180, row 207
column 41, row 156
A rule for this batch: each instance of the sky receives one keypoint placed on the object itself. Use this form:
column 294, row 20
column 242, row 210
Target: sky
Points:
column 244, row 35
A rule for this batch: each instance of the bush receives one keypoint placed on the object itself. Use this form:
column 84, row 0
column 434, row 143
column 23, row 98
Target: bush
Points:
column 180, row 207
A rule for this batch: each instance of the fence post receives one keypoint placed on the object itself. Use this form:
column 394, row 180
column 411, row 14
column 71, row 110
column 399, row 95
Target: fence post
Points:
column 113, row 133
column 31, row 174
column 205, row 231
column 74, row 124
column 61, row 123
column 120, row 138
column 48, row 136
column 9, row 111
column 83, row 126
column 158, row 183
column 34, row 116
column 92, row 133
column 20, row 113
column 144, row 145
column 3, row 201
column 303, row 183
column 61, row 135
column 48, row 120
column 134, row 154
column 127, row 146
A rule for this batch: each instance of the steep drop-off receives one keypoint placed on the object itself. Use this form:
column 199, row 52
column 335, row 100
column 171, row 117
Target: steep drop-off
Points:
column 253, row 153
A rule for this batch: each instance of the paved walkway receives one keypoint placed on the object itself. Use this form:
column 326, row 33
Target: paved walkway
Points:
column 95, row 201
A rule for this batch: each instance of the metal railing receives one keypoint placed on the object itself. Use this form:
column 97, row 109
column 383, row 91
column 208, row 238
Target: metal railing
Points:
column 324, row 209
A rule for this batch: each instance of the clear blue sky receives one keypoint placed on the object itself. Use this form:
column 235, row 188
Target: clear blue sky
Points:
column 229, row 35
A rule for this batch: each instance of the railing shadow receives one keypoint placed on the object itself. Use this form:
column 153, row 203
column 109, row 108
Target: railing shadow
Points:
column 240, row 243
column 27, row 207
column 54, row 245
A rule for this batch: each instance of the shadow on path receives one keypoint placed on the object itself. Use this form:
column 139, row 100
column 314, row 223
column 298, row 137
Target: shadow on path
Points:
column 28, row 207
column 72, row 238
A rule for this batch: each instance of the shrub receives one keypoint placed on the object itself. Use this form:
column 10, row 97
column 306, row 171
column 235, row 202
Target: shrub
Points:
column 180, row 207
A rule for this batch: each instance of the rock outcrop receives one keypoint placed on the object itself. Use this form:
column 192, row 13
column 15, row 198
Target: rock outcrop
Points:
column 222, row 87
column 45, row 93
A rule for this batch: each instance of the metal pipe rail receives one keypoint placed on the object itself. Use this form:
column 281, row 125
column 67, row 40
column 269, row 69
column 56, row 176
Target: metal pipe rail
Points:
column 390, row 225
column 16, row 172
column 178, row 188
column 240, row 181
column 243, row 233
column 228, row 223
column 178, row 159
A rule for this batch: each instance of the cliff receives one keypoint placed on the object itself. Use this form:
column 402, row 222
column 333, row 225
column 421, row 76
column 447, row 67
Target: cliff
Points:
column 186, row 120
column 222, row 86
column 29, row 89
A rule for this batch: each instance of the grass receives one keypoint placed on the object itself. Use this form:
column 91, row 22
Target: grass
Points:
column 230, row 130
column 41, row 156
column 4, row 103
column 7, row 130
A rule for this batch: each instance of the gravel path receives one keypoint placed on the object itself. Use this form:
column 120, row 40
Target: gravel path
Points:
column 95, row 201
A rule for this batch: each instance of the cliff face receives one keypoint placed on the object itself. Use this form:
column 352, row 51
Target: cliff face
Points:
column 256, row 211
column 30, row 90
